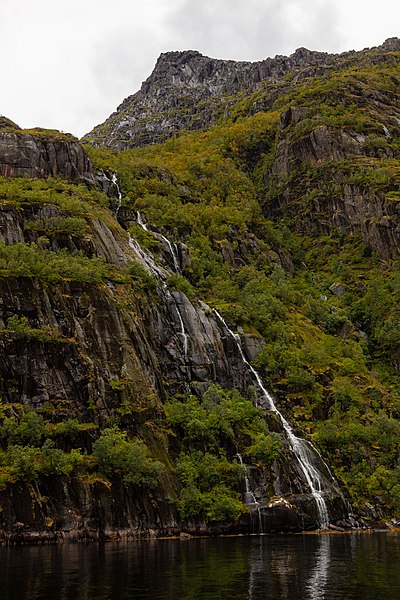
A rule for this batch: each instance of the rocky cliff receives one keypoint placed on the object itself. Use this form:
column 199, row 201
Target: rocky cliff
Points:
column 100, row 350
column 41, row 153
column 339, row 117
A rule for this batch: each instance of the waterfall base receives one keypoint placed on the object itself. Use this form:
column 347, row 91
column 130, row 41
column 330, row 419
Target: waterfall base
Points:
column 298, row 513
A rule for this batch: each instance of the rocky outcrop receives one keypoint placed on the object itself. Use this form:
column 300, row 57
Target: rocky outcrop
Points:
column 189, row 91
column 44, row 155
column 318, row 177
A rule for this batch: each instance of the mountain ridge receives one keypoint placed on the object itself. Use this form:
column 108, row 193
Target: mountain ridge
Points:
column 185, row 81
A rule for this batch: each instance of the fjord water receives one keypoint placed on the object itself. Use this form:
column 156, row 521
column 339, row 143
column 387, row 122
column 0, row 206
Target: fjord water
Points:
column 289, row 567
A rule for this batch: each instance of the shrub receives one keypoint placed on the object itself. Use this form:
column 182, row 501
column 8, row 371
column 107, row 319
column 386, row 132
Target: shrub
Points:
column 141, row 277
column 209, row 486
column 33, row 260
column 74, row 226
column 115, row 455
column 265, row 448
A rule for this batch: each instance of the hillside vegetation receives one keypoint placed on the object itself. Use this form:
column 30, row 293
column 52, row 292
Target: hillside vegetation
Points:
column 286, row 213
column 326, row 303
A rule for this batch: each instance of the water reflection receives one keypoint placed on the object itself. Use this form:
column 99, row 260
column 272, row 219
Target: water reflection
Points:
column 310, row 567
column 319, row 575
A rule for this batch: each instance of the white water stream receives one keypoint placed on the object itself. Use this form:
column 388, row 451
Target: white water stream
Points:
column 303, row 450
column 146, row 259
column 114, row 181
column 184, row 335
column 162, row 274
column 249, row 498
column 171, row 247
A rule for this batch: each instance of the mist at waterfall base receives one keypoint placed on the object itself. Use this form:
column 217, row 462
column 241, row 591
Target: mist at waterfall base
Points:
column 290, row 567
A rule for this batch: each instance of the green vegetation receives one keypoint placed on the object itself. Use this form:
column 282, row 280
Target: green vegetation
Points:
column 328, row 358
column 20, row 328
column 36, row 260
column 74, row 226
column 212, row 430
column 32, row 447
column 115, row 455
column 74, row 199
column 283, row 221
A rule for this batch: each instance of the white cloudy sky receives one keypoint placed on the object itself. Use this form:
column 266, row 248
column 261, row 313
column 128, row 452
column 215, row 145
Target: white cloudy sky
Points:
column 67, row 64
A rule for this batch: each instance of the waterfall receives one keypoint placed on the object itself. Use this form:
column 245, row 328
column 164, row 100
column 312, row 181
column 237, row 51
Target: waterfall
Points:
column 141, row 222
column 303, row 451
column 114, row 182
column 184, row 335
column 249, row 498
column 147, row 260
column 171, row 247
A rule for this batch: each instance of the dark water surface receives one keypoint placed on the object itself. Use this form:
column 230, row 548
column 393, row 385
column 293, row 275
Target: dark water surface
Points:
column 296, row 567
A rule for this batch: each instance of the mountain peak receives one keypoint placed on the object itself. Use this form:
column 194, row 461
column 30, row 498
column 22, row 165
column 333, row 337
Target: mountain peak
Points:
column 189, row 91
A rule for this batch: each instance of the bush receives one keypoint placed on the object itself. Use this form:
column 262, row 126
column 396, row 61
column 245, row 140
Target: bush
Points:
column 115, row 455
column 209, row 487
column 57, row 462
column 27, row 430
column 74, row 226
column 33, row 260
column 180, row 283
column 221, row 417
column 266, row 448
column 141, row 277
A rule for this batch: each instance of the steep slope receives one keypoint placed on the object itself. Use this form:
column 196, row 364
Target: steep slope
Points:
column 189, row 91
column 320, row 282
column 108, row 374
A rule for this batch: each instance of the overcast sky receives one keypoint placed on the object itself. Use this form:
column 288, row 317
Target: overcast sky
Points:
column 67, row 64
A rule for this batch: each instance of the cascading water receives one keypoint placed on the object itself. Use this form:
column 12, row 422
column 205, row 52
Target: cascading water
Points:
column 149, row 262
column 114, row 182
column 249, row 498
column 184, row 335
column 171, row 247
column 302, row 450
column 146, row 259
column 141, row 222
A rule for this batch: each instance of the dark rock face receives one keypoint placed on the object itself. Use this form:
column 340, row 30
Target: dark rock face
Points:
column 190, row 91
column 37, row 156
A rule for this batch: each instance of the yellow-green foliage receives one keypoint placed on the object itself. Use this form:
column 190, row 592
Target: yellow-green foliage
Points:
column 331, row 360
column 205, row 189
column 35, row 260
column 74, row 199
